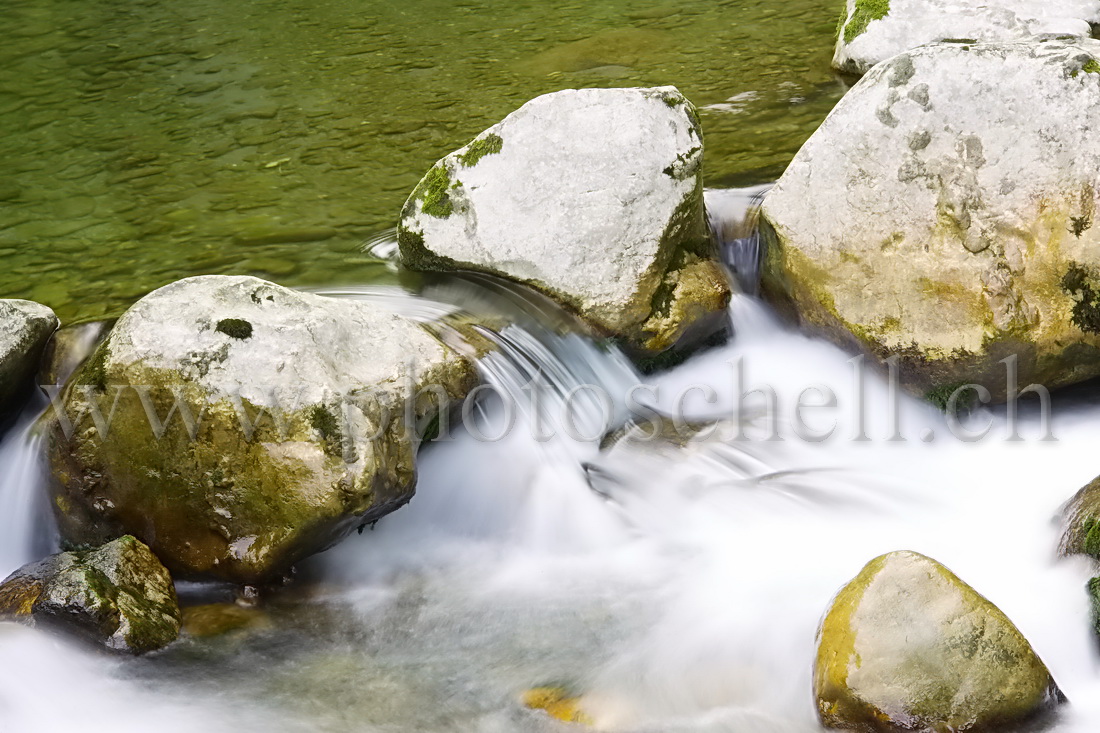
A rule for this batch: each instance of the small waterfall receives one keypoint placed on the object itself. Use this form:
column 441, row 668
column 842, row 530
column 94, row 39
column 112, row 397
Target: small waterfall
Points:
column 732, row 214
column 26, row 528
column 27, row 531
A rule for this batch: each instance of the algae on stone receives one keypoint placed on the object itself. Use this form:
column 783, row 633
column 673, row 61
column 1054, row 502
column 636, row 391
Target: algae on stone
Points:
column 118, row 595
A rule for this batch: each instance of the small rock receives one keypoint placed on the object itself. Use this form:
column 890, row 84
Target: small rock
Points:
column 215, row 619
column 557, row 703
column 907, row 645
column 118, row 595
column 25, row 328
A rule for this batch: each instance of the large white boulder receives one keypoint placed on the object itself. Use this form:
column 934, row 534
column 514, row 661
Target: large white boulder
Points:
column 593, row 196
column 946, row 213
column 236, row 495
column 25, row 328
column 871, row 31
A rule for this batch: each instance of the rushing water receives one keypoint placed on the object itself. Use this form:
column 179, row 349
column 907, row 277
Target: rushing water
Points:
column 674, row 588
column 149, row 140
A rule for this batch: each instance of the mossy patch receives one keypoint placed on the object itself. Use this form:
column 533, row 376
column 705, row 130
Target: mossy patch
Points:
column 490, row 144
column 433, row 192
column 1083, row 285
column 323, row 420
column 686, row 164
column 237, row 328
column 865, row 12
column 94, row 371
column 941, row 397
column 1092, row 66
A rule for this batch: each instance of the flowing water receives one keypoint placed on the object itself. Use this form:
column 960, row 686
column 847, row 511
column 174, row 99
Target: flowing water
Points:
column 673, row 587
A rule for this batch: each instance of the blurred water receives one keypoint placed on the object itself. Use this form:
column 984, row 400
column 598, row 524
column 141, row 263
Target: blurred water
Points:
column 674, row 587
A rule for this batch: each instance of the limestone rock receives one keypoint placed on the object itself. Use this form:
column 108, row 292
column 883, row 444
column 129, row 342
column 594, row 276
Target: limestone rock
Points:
column 871, row 31
column 25, row 328
column 907, row 645
column 297, row 419
column 593, row 196
column 946, row 213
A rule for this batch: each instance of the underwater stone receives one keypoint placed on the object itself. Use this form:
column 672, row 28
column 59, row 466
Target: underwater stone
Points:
column 907, row 645
column 872, row 31
column 592, row 196
column 295, row 433
column 118, row 595
column 957, row 249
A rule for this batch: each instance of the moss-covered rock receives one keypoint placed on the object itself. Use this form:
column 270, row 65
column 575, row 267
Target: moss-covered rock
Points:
column 118, row 595
column 907, row 645
column 915, row 224
column 235, row 451
column 872, row 31
column 591, row 196
column 1081, row 522
column 25, row 328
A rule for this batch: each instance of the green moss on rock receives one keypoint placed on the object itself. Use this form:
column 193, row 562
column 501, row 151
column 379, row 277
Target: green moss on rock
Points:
column 865, row 12
column 119, row 596
column 434, row 193
column 490, row 144
column 237, row 328
column 1082, row 284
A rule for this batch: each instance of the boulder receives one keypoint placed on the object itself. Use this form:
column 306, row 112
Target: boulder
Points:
column 946, row 213
column 118, row 595
column 25, row 328
column 593, row 196
column 252, row 425
column 1081, row 522
column 907, row 645
column 872, row 31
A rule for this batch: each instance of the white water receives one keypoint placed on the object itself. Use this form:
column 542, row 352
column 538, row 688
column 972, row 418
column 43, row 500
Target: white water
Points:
column 683, row 596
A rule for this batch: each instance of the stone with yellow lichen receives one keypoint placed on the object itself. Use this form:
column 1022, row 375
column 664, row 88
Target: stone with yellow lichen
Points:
column 915, row 225
column 557, row 703
column 907, row 645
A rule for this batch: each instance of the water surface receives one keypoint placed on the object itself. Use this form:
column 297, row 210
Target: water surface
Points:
column 144, row 141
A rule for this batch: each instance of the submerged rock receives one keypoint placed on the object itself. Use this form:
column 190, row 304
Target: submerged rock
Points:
column 118, row 595
column 25, row 328
column 593, row 196
column 907, row 645
column 254, row 425
column 871, row 31
column 915, row 223
column 558, row 703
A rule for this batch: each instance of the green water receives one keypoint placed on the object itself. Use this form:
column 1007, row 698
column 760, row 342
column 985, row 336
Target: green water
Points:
column 142, row 141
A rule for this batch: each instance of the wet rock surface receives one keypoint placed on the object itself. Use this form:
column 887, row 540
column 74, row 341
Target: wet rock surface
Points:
column 119, row 596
